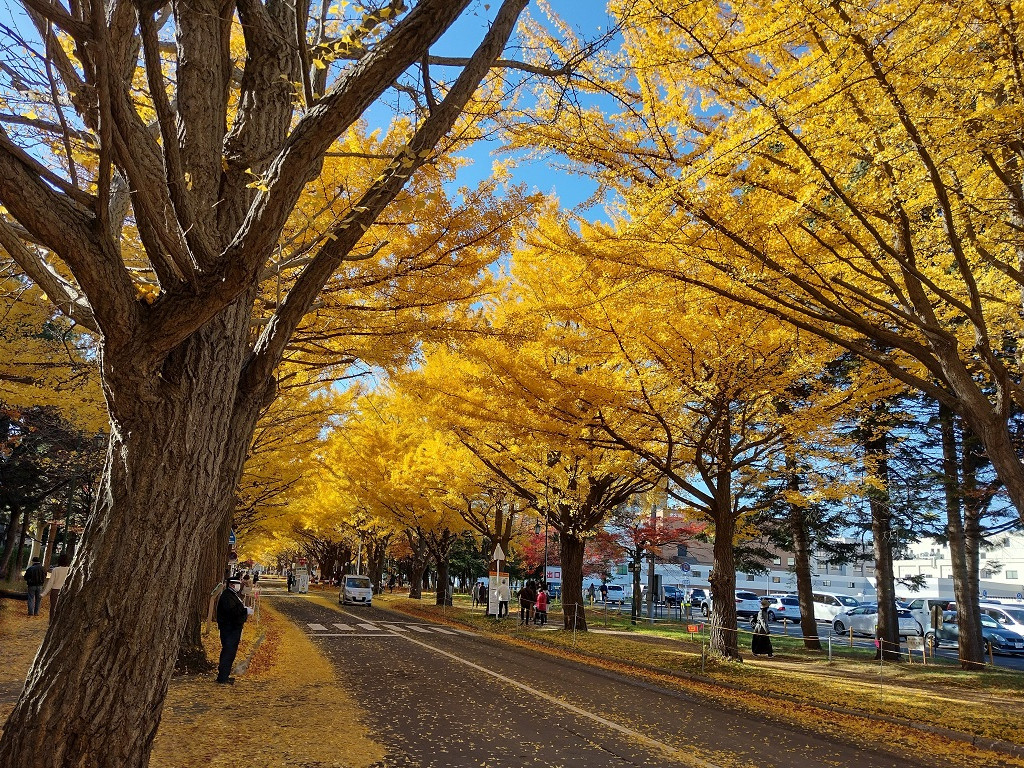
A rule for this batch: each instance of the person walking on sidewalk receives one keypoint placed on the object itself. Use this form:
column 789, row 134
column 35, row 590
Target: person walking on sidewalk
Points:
column 35, row 577
column 231, row 616
column 55, row 583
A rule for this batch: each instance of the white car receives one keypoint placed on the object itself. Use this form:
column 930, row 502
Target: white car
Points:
column 862, row 621
column 616, row 594
column 356, row 590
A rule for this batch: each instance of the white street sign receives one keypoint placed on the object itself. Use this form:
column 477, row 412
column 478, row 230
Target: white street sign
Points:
column 498, row 554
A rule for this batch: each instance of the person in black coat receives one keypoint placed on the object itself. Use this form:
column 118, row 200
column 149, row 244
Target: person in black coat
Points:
column 231, row 616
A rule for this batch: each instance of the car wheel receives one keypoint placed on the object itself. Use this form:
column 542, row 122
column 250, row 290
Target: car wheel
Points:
column 771, row 615
column 931, row 640
column 705, row 611
column 839, row 627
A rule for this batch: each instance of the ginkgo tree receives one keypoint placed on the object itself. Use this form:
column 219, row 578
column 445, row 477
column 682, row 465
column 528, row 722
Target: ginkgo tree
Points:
column 204, row 126
column 854, row 169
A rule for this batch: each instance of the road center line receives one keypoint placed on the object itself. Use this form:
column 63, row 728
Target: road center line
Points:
column 672, row 752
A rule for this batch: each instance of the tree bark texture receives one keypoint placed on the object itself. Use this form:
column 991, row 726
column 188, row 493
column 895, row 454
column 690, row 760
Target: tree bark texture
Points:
column 971, row 648
column 7, row 567
column 417, row 564
column 132, row 579
column 876, row 451
column 573, row 608
column 798, row 529
column 723, row 634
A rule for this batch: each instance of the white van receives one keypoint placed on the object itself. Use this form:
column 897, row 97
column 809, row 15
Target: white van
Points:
column 828, row 605
column 921, row 608
column 355, row 590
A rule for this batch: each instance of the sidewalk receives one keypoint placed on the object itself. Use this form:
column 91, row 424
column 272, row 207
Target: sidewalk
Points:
column 287, row 706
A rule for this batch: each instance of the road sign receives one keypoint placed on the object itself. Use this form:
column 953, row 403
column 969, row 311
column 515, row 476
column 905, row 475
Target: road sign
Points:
column 231, row 539
column 686, row 567
column 1020, row 595
column 553, row 574
column 498, row 553
column 984, row 593
column 686, row 582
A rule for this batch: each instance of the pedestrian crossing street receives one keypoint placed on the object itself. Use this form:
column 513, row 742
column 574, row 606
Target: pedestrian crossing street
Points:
column 368, row 629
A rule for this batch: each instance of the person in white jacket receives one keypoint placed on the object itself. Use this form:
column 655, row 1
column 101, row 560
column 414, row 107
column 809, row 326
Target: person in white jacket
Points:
column 55, row 582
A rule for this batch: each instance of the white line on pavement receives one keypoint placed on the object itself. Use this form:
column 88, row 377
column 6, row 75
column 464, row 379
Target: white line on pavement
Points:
column 317, row 627
column 675, row 754
column 368, row 626
column 344, row 627
column 418, row 628
column 356, row 634
column 443, row 631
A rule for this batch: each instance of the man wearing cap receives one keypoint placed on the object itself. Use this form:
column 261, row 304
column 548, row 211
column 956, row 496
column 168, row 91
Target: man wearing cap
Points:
column 231, row 616
column 35, row 577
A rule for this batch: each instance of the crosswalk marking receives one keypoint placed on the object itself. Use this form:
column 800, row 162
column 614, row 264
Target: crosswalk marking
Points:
column 417, row 628
column 396, row 628
column 369, row 626
column 317, row 627
column 443, row 631
column 344, row 627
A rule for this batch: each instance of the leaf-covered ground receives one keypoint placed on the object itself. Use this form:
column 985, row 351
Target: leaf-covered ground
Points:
column 797, row 687
column 286, row 710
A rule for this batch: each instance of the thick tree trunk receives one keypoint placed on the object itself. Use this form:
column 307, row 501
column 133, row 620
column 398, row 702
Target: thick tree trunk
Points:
column 95, row 690
column 574, row 614
column 797, row 519
column 417, row 565
column 7, row 568
column 994, row 434
column 443, row 596
column 191, row 653
column 971, row 649
column 876, row 452
column 723, row 631
column 974, row 505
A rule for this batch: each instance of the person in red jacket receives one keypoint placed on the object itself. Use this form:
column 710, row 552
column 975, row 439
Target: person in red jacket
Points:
column 541, row 613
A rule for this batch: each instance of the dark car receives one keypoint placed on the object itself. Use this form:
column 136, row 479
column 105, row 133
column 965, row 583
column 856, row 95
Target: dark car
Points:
column 697, row 597
column 555, row 591
column 999, row 639
column 673, row 595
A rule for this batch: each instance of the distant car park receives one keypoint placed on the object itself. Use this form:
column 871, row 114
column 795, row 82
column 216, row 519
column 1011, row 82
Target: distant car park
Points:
column 863, row 619
column 784, row 607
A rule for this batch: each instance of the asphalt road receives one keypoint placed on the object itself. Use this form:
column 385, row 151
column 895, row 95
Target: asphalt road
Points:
column 441, row 697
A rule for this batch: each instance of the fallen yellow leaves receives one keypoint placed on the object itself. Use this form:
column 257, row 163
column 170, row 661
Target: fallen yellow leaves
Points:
column 287, row 710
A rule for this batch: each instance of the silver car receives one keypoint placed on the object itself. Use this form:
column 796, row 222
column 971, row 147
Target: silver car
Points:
column 862, row 621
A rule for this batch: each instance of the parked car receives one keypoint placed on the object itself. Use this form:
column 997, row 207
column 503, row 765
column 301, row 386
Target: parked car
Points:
column 1007, row 615
column 921, row 608
column 828, row 605
column 747, row 604
column 555, row 591
column 863, row 618
column 673, row 595
column 697, row 597
column 1001, row 640
column 616, row 594
column 784, row 607
column 356, row 590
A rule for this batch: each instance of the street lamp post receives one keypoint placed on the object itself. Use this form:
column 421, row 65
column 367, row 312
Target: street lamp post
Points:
column 536, row 530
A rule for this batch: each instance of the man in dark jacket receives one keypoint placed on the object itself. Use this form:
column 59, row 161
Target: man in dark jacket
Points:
column 231, row 616
column 35, row 577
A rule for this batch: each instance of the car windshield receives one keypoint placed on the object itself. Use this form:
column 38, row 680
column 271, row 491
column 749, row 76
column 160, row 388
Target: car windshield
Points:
column 357, row 582
column 1017, row 614
column 848, row 601
column 988, row 621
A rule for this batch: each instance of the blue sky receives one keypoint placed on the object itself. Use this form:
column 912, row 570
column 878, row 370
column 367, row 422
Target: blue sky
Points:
column 589, row 18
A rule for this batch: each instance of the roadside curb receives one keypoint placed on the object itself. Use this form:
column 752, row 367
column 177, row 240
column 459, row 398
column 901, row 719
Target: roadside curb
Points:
column 1000, row 746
